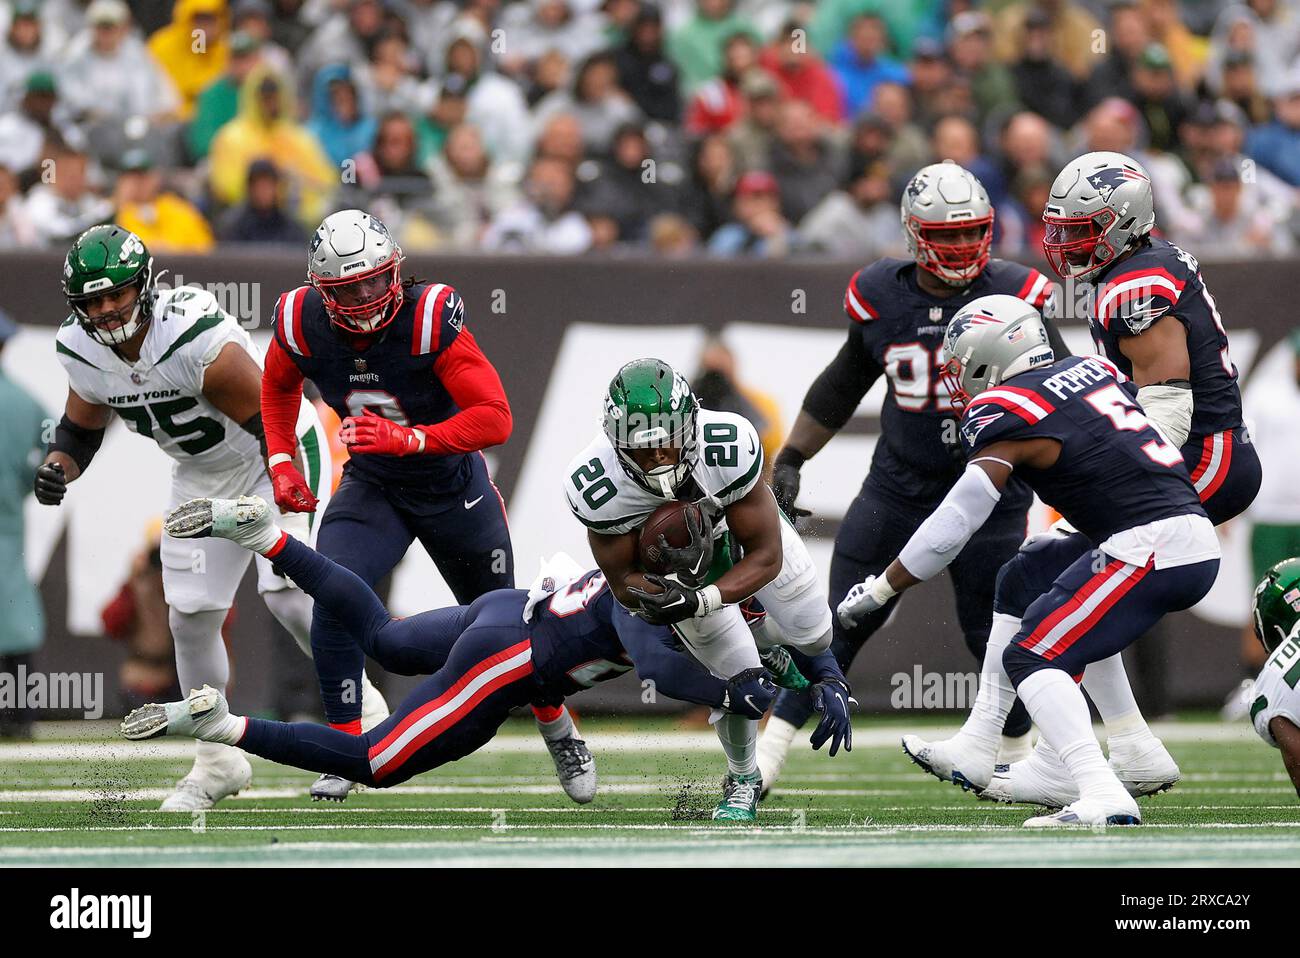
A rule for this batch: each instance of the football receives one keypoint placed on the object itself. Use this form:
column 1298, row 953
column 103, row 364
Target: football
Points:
column 669, row 521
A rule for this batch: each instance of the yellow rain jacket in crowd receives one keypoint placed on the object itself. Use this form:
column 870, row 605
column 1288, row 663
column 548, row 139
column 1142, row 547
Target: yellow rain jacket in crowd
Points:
column 192, row 61
column 252, row 135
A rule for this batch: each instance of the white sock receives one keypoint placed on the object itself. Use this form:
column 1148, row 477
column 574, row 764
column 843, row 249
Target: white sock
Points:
column 216, row 741
column 292, row 608
column 558, row 728
column 200, row 653
column 982, row 731
column 1106, row 683
column 1061, row 713
column 778, row 733
column 739, row 738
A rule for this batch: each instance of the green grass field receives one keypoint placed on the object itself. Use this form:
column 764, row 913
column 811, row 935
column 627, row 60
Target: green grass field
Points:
column 79, row 796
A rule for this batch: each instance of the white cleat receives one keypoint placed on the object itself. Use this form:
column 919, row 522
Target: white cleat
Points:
column 1091, row 813
column 247, row 521
column 1015, row 748
column 574, row 766
column 203, row 711
column 331, row 788
column 1145, row 770
column 209, row 782
column 1041, row 779
column 773, row 749
column 946, row 762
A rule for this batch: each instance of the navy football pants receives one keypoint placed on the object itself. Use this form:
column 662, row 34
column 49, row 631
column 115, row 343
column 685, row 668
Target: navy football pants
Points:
column 1226, row 472
column 368, row 527
column 875, row 529
column 1097, row 607
column 480, row 657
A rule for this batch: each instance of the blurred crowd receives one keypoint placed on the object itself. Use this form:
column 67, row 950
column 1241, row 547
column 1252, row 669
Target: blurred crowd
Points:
column 683, row 128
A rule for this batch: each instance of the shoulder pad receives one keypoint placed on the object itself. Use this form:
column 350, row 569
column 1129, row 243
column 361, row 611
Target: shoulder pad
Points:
column 866, row 289
column 999, row 413
column 185, row 303
column 288, row 319
column 439, row 318
column 1143, row 288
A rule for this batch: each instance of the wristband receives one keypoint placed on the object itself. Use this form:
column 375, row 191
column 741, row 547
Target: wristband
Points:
column 710, row 600
column 278, row 458
column 789, row 456
column 881, row 590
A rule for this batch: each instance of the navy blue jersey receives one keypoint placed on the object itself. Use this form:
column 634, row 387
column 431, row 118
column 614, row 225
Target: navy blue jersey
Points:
column 902, row 330
column 1160, row 279
column 1115, row 471
column 393, row 377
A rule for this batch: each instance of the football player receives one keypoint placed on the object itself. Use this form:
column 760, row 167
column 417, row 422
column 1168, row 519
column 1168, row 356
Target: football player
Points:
column 656, row 446
column 508, row 648
column 898, row 310
column 1152, row 316
column 1275, row 702
column 1074, row 431
column 176, row 368
column 418, row 402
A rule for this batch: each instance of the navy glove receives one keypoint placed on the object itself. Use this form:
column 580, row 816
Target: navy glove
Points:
column 831, row 698
column 749, row 693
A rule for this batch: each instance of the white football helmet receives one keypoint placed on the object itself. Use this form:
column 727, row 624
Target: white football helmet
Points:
column 1100, row 205
column 357, row 266
column 940, row 200
column 990, row 340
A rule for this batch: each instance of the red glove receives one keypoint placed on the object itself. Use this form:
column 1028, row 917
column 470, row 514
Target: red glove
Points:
column 292, row 494
column 376, row 435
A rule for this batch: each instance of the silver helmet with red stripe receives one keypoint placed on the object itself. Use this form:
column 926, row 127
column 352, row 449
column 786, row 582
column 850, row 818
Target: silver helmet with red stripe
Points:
column 948, row 222
column 990, row 340
column 1100, row 205
column 356, row 265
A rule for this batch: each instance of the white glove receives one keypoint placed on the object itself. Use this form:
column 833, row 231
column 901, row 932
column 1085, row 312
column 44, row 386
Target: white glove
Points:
column 867, row 596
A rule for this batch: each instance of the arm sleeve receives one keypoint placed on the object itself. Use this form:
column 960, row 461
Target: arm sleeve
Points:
column 484, row 418
column 675, row 675
column 1170, row 407
column 944, row 534
column 817, row 668
column 281, row 399
column 836, row 392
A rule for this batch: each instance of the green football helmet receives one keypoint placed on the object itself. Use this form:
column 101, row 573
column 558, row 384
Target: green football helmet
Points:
column 649, row 405
column 1277, row 603
column 105, row 259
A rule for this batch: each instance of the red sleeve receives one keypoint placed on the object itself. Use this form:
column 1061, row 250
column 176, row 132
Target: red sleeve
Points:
column 484, row 418
column 281, row 400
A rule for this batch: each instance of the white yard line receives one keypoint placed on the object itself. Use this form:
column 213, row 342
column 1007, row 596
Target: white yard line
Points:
column 667, row 741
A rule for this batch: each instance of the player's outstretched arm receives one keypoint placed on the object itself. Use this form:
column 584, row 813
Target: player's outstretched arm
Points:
column 942, row 536
column 1287, row 736
column 233, row 384
column 77, row 438
column 281, row 400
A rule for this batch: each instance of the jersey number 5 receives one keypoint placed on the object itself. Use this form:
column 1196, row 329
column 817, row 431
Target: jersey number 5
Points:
column 1115, row 404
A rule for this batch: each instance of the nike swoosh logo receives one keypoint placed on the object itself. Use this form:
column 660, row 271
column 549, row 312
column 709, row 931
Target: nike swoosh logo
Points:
column 471, row 505
column 681, row 600
column 698, row 562
column 751, row 445
column 749, row 700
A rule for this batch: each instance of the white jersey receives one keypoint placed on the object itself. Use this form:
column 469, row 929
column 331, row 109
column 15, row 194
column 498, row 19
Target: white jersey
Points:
column 1275, row 691
column 161, row 394
column 609, row 501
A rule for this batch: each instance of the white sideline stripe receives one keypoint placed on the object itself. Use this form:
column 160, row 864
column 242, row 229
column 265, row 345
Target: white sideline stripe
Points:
column 158, row 794
column 772, row 830
column 666, row 741
column 430, row 719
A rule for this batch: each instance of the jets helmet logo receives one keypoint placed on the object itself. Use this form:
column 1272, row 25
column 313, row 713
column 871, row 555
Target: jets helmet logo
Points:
column 1107, row 181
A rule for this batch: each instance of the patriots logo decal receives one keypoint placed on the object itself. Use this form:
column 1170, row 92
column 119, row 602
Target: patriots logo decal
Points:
column 915, row 187
column 975, row 422
column 1106, row 181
